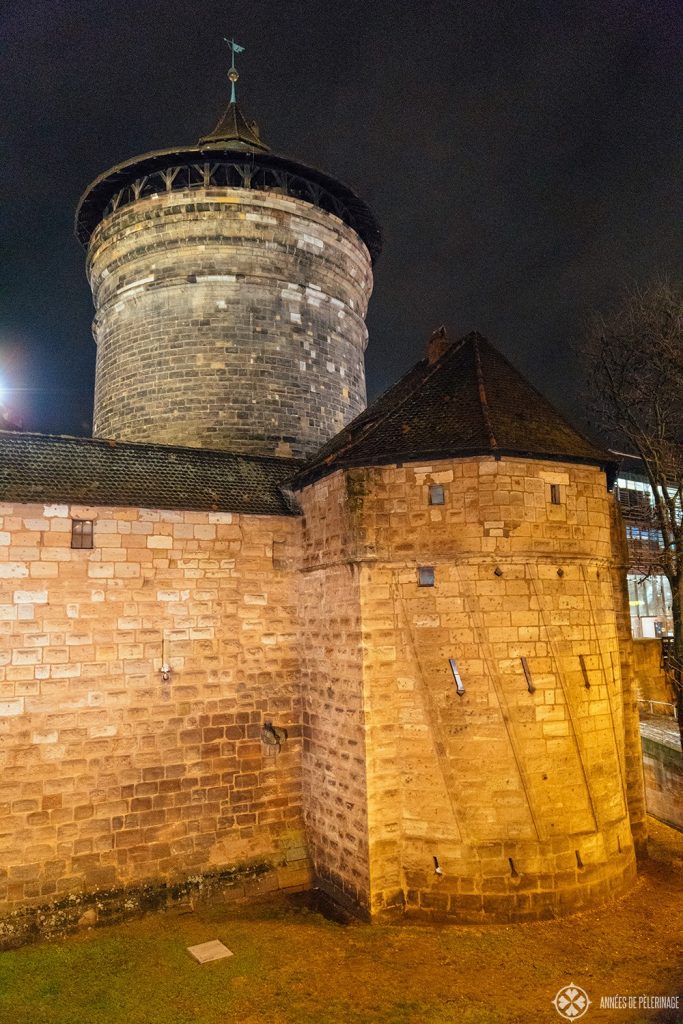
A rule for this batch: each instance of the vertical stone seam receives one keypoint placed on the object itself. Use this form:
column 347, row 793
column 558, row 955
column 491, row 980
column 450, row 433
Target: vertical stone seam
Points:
column 489, row 661
column 594, row 624
column 635, row 778
column 440, row 744
column 355, row 569
column 568, row 704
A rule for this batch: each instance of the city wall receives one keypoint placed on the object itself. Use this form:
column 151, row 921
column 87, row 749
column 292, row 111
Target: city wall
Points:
column 651, row 681
column 111, row 776
column 517, row 798
column 663, row 769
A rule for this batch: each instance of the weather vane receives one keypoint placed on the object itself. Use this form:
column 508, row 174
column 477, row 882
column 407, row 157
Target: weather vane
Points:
column 232, row 73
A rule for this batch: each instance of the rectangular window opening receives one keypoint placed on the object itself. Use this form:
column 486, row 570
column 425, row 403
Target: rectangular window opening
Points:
column 279, row 550
column 555, row 495
column 436, row 494
column 81, row 533
column 426, row 577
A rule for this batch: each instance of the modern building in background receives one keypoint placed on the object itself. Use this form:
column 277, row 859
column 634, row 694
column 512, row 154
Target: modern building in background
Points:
column 648, row 589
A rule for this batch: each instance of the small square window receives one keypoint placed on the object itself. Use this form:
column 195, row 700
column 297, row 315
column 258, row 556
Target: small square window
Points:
column 436, row 494
column 555, row 496
column 81, row 533
column 426, row 576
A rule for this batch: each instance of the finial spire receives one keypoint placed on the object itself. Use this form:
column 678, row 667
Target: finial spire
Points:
column 232, row 73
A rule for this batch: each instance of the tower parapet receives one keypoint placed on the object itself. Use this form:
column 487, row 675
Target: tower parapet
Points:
column 230, row 288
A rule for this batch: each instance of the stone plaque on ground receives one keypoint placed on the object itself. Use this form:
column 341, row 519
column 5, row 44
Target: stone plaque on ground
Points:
column 205, row 952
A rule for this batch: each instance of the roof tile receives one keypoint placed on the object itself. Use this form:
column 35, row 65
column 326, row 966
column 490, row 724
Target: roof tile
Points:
column 468, row 401
column 43, row 467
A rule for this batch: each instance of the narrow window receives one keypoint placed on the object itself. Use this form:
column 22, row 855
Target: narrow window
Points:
column 555, row 494
column 81, row 533
column 279, row 554
column 436, row 494
column 426, row 576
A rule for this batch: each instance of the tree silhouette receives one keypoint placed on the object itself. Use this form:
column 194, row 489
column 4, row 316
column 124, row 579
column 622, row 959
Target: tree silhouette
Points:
column 635, row 357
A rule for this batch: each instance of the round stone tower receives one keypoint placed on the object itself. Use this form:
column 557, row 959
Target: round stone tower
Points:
column 230, row 289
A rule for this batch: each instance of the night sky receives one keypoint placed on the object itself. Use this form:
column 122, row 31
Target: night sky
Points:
column 524, row 160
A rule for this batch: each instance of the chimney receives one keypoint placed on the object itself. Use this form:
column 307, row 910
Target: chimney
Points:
column 437, row 345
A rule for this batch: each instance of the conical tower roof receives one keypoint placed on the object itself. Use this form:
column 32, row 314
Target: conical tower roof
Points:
column 233, row 155
column 233, row 131
column 463, row 399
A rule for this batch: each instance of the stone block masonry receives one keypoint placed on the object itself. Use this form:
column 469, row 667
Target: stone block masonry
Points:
column 527, row 787
column 628, row 661
column 228, row 318
column 110, row 777
column 663, row 767
column 519, row 787
column 651, row 679
column 334, row 748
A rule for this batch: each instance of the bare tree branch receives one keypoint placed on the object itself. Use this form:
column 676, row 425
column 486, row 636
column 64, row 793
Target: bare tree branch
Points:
column 634, row 358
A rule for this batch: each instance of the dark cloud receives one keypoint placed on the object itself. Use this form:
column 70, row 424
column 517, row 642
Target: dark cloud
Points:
column 523, row 159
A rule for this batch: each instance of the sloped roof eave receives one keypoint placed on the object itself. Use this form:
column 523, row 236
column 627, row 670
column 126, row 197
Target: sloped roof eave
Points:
column 49, row 468
column 317, row 472
column 456, row 406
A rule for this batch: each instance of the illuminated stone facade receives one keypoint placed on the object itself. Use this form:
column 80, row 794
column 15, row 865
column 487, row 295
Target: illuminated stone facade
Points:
column 228, row 318
column 527, row 788
column 431, row 610
column 522, row 797
column 111, row 776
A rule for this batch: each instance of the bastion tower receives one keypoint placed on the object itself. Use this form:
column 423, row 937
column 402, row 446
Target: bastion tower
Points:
column 230, row 289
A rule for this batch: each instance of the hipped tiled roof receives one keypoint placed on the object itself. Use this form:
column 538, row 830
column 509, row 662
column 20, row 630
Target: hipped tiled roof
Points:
column 468, row 401
column 47, row 468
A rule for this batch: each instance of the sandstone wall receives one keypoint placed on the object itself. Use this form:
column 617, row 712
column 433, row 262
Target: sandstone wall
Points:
column 629, row 662
column 228, row 318
column 110, row 776
column 521, row 796
column 335, row 750
column 651, row 681
column 663, row 767
column 520, row 788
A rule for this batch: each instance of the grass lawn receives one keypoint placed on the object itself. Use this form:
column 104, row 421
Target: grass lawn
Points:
column 293, row 965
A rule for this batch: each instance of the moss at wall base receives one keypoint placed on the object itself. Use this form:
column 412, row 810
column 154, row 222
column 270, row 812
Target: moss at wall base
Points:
column 112, row 906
